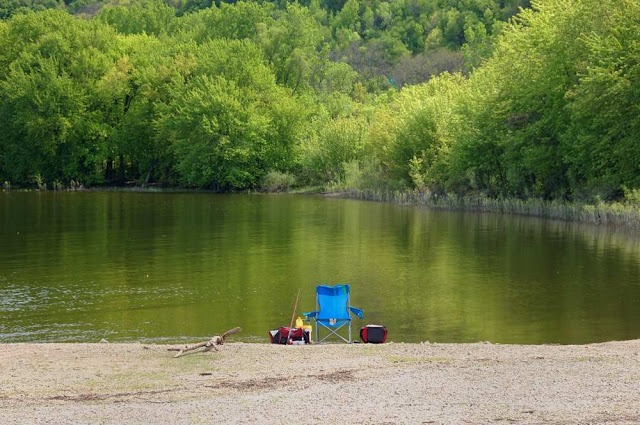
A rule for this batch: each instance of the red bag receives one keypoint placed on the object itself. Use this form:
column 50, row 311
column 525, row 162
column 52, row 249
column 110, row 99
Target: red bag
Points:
column 373, row 334
column 282, row 336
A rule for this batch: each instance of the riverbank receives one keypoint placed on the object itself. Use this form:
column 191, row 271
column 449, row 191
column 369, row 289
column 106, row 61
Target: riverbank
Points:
column 616, row 214
column 372, row 384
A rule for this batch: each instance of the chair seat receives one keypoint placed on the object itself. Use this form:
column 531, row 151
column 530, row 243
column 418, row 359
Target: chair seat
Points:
column 333, row 322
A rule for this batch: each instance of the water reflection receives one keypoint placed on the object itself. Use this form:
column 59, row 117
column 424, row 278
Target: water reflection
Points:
column 171, row 267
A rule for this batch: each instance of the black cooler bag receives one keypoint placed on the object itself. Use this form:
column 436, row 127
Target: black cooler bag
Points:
column 374, row 334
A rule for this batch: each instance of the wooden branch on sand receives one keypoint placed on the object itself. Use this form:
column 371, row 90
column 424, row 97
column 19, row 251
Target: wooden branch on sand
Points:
column 208, row 345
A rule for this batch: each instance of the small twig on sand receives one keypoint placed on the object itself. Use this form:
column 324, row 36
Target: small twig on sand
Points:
column 208, row 345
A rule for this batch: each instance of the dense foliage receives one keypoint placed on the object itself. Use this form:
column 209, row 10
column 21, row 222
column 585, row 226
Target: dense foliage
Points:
column 439, row 95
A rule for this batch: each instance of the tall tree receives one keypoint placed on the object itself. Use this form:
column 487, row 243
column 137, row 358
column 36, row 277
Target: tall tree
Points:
column 53, row 126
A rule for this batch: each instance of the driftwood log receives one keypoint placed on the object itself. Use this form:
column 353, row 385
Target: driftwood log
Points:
column 208, row 345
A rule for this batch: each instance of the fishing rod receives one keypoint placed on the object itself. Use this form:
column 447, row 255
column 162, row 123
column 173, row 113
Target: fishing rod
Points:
column 293, row 315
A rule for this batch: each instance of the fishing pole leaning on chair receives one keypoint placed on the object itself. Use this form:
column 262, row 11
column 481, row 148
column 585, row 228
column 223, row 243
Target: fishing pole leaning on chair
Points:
column 293, row 315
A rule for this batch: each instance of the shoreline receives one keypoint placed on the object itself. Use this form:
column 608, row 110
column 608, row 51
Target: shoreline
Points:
column 616, row 215
column 613, row 215
column 358, row 383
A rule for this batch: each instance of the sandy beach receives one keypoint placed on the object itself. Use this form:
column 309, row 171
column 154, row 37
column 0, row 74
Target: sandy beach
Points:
column 391, row 383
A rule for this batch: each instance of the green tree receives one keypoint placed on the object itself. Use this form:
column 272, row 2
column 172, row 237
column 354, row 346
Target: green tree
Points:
column 216, row 137
column 414, row 133
column 140, row 82
column 10, row 7
column 53, row 126
column 602, row 141
column 243, row 20
column 292, row 47
column 139, row 17
column 348, row 17
column 522, row 110
column 229, row 123
column 325, row 152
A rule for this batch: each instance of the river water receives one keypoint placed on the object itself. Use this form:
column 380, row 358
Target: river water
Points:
column 175, row 267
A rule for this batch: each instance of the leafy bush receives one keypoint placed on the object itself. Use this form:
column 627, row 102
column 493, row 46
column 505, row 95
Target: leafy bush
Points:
column 362, row 175
column 276, row 181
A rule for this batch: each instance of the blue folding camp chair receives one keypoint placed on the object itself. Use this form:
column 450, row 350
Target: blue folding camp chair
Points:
column 333, row 311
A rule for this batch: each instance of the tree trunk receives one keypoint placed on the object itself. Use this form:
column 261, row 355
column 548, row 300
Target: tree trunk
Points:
column 121, row 170
column 108, row 171
column 148, row 178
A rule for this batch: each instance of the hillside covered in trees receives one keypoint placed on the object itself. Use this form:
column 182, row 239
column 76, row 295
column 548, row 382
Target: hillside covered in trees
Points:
column 503, row 98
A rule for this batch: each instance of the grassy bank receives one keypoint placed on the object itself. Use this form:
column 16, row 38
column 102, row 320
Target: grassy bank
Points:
column 602, row 213
column 619, row 214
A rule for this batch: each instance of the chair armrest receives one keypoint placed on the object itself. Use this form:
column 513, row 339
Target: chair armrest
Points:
column 310, row 314
column 357, row 312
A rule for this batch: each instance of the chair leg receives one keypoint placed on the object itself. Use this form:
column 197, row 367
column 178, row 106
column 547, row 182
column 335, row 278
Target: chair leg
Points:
column 334, row 332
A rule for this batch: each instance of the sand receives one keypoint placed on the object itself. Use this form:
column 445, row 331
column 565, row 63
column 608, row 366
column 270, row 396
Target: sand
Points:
column 330, row 384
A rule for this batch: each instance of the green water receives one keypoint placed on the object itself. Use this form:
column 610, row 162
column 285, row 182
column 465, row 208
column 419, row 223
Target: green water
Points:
column 174, row 267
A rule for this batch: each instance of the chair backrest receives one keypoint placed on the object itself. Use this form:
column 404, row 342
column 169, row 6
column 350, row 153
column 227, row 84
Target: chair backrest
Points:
column 333, row 302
